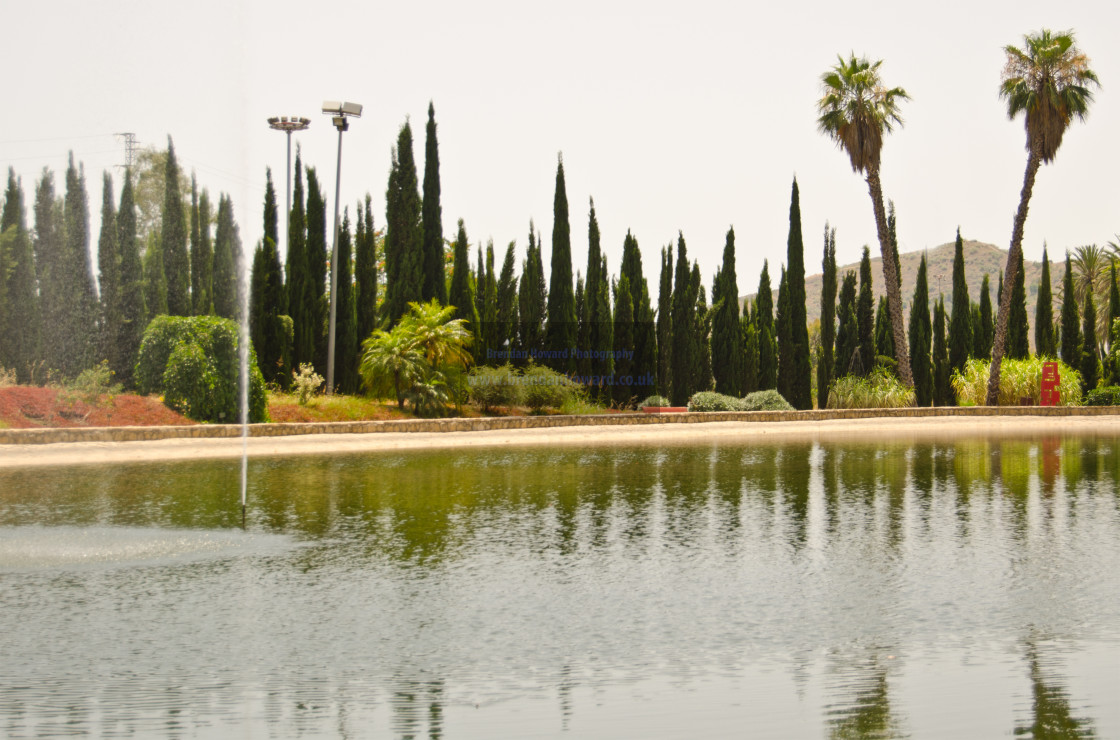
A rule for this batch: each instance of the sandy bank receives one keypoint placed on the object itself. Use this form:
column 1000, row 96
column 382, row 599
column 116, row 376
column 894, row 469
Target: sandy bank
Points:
column 80, row 453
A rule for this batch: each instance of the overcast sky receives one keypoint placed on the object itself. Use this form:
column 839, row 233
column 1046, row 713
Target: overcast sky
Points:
column 672, row 116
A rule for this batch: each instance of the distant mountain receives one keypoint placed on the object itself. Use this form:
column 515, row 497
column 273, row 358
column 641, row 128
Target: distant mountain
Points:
column 979, row 258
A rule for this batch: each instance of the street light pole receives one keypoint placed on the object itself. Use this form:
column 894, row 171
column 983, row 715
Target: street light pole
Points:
column 339, row 113
column 288, row 125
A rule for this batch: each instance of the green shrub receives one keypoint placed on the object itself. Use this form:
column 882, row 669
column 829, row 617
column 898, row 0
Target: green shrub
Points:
column 90, row 384
column 543, row 387
column 193, row 362
column 429, row 396
column 769, row 400
column 1108, row 395
column 305, row 382
column 879, row 390
column 1018, row 379
column 656, row 401
column 490, row 387
column 712, row 401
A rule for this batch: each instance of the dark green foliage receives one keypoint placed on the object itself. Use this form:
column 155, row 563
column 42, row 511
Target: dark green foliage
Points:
column 197, row 292
column 266, row 329
column 346, row 317
column 701, row 344
column 318, row 254
column 544, row 387
column 865, row 316
column 583, row 334
column 404, row 235
column 490, row 349
column 1113, row 302
column 49, row 247
column 561, row 327
column 665, row 324
column 506, row 315
column 193, row 361
column 645, row 331
column 109, row 276
column 531, row 299
column 769, row 400
column 785, row 340
column 133, row 310
column 623, row 340
column 365, row 272
column 942, row 390
column 461, row 294
column 173, row 241
column 884, row 336
column 847, row 332
column 77, row 327
column 599, row 327
column 987, row 325
column 767, row 342
column 1090, row 365
column 300, row 292
column 684, row 328
column 1018, row 330
column 434, row 285
column 19, row 329
column 750, row 352
column 1071, row 334
column 727, row 338
column 960, row 322
column 1045, row 344
column 826, row 363
column 202, row 264
column 227, row 257
column 1108, row 395
column 920, row 336
column 800, row 383
column 155, row 279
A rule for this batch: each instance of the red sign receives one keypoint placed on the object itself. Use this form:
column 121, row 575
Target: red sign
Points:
column 1051, row 382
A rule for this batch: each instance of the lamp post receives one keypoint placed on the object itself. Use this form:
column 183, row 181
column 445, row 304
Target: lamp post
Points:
column 288, row 125
column 338, row 112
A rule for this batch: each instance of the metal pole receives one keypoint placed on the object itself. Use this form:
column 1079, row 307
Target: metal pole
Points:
column 334, row 269
column 288, row 203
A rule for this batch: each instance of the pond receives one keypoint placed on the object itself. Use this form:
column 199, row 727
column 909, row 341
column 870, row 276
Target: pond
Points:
column 962, row 588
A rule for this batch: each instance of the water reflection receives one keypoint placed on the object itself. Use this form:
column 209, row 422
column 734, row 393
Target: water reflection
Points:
column 436, row 590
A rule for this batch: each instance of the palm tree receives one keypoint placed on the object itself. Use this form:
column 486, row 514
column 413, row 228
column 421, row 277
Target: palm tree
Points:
column 1092, row 270
column 391, row 359
column 1049, row 81
column 441, row 339
column 856, row 109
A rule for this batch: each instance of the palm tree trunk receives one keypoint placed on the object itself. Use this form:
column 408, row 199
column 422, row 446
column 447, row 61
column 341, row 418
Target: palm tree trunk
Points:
column 999, row 345
column 890, row 277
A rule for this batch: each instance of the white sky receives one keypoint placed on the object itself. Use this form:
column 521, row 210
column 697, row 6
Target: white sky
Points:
column 672, row 117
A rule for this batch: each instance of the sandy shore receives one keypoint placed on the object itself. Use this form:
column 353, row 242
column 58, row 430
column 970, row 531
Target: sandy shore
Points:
column 84, row 453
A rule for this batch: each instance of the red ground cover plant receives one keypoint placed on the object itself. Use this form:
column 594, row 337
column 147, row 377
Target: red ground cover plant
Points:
column 30, row 407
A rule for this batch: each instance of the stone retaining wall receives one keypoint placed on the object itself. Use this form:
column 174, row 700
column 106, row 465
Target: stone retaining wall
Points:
column 134, row 434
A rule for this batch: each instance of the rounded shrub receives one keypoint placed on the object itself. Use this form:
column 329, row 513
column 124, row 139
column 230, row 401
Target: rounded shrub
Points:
column 491, row 387
column 769, row 400
column 543, row 387
column 712, row 401
column 1108, row 395
column 656, row 402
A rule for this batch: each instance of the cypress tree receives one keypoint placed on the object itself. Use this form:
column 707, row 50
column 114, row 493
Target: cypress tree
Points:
column 77, row 346
column 318, row 251
column 865, row 316
column 109, row 275
column 1090, row 365
column 623, row 340
column 605, row 341
column 173, row 240
column 827, row 361
column 560, row 329
column 884, row 336
column 478, row 278
column 683, row 320
column 258, row 313
column 155, row 278
column 488, row 316
column 750, row 351
column 267, row 300
column 404, row 234
column 227, row 258
column 847, row 333
column 531, row 299
column 727, row 341
column 1113, row 302
column 346, row 319
column 1018, row 331
column 600, row 331
column 460, row 295
column 767, row 346
column 299, row 276
column 701, row 337
column 583, row 333
column 365, row 269
column 785, row 338
column 645, row 333
column 19, row 330
column 665, row 323
column 801, row 368
column 942, row 390
column 920, row 336
column 48, row 247
column 976, row 352
column 507, row 304
column 987, row 325
column 1071, row 335
column 434, row 285
column 1044, row 343
column 960, row 322
column 196, row 246
column 133, row 311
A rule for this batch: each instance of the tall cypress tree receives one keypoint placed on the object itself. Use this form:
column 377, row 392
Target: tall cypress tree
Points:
column 767, row 344
column 346, row 319
column 155, row 277
column 600, row 331
column 702, row 333
column 268, row 300
column 942, row 390
column 749, row 329
column 109, row 275
column 133, row 311
column 460, row 295
column 77, row 347
column 683, row 318
column 49, row 249
column 365, row 273
column 1090, row 356
column 827, row 361
column 318, row 254
column 1113, row 303
column 784, row 326
column 173, row 240
column 604, row 343
column 865, row 315
column 727, row 341
column 623, row 339
column 884, row 335
column 196, row 245
column 532, row 297
column 404, row 235
column 300, row 290
column 920, row 337
column 507, row 303
column 434, row 285
column 204, row 299
column 847, row 333
column 987, row 324
column 1071, row 334
column 227, row 259
column 488, row 316
column 583, row 332
column 960, row 322
column 1018, row 330
column 560, row 330
column 645, row 332
column 1044, row 343
column 665, row 323
column 19, row 331
column 800, row 386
